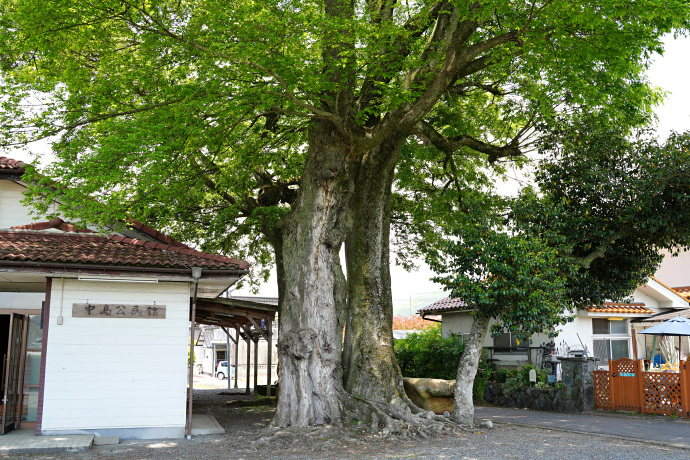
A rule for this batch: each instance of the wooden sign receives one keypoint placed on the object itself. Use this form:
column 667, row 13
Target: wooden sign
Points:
column 92, row 310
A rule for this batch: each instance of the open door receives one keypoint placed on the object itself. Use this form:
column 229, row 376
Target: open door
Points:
column 13, row 363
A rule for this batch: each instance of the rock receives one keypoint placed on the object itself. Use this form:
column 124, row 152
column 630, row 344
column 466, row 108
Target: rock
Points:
column 488, row 424
column 435, row 395
column 446, row 414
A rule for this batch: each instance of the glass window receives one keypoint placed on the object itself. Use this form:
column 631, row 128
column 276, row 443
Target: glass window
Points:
column 32, row 369
column 606, row 349
column 607, row 327
column 619, row 327
column 35, row 335
column 508, row 342
column 601, row 350
column 619, row 349
column 502, row 341
column 600, row 326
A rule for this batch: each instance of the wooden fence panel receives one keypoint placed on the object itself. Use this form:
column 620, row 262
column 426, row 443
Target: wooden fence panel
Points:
column 662, row 393
column 602, row 395
column 626, row 387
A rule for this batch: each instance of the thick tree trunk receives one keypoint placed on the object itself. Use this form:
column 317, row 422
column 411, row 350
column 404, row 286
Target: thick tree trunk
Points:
column 467, row 370
column 311, row 326
column 370, row 368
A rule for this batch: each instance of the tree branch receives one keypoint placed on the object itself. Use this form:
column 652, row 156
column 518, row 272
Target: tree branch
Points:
column 494, row 152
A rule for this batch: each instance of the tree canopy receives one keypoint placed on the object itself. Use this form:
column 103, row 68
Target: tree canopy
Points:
column 590, row 229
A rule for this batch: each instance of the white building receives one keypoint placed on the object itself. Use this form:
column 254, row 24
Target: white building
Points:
column 608, row 331
column 95, row 329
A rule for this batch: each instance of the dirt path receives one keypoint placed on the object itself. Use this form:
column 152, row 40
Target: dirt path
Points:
column 246, row 421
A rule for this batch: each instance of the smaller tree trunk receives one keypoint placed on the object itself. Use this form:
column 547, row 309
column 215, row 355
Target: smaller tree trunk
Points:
column 467, row 371
column 370, row 368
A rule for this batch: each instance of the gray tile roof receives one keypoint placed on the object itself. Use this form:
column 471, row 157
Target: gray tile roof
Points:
column 444, row 305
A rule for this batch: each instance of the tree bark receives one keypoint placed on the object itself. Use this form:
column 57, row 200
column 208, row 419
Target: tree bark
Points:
column 370, row 368
column 467, row 370
column 311, row 326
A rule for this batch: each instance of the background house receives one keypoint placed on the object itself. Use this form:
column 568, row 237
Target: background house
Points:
column 605, row 331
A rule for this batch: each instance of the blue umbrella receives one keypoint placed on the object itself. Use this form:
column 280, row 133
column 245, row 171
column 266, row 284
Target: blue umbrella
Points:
column 676, row 326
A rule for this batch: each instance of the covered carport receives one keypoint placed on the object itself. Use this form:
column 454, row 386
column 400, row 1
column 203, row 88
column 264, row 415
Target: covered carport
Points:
column 241, row 319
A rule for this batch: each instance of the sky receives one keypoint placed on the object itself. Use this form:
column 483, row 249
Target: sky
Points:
column 668, row 72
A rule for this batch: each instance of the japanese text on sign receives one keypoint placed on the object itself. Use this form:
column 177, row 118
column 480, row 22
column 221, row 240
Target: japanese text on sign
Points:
column 92, row 310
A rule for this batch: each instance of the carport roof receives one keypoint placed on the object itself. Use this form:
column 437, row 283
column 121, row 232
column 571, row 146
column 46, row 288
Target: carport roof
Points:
column 234, row 312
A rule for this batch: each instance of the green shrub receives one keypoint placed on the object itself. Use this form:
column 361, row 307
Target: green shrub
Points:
column 517, row 378
column 427, row 354
column 499, row 374
column 511, row 384
column 484, row 372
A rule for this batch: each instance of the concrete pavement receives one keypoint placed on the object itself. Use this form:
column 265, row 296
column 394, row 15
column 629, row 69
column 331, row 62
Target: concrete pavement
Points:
column 25, row 442
column 643, row 428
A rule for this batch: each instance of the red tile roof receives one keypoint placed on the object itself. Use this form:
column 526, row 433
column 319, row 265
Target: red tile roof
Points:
column 60, row 224
column 152, row 232
column 614, row 307
column 444, row 305
column 683, row 291
column 56, row 223
column 22, row 245
column 10, row 165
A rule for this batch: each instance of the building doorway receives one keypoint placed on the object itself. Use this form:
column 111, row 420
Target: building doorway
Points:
column 13, row 329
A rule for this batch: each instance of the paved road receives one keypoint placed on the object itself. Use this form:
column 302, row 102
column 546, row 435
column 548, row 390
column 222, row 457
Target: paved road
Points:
column 646, row 428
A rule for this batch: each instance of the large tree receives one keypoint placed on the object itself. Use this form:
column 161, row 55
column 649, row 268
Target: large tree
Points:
column 290, row 117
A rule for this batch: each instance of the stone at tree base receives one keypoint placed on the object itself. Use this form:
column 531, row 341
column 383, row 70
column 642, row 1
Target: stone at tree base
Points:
column 488, row 424
column 435, row 395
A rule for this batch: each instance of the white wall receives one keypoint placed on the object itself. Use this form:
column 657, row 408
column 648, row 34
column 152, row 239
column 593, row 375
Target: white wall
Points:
column 568, row 334
column 124, row 376
column 461, row 323
column 12, row 211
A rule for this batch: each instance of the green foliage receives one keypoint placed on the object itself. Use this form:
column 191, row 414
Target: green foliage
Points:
column 499, row 374
column 483, row 375
column 188, row 362
column 515, row 379
column 515, row 277
column 188, row 115
column 512, row 384
column 609, row 198
column 616, row 197
column 428, row 354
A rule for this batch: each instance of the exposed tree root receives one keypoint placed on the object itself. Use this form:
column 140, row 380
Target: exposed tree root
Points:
column 399, row 417
column 364, row 420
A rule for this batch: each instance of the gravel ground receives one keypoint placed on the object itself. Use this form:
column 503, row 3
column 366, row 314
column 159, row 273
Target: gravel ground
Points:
column 246, row 422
